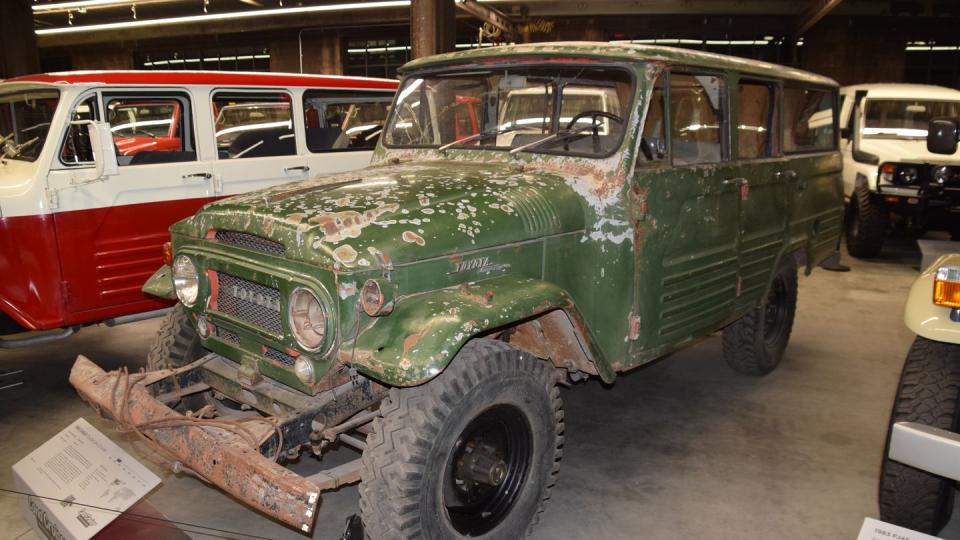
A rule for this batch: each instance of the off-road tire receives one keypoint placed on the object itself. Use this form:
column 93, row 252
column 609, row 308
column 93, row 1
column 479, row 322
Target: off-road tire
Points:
column 402, row 473
column 177, row 344
column 753, row 345
column 866, row 224
column 929, row 394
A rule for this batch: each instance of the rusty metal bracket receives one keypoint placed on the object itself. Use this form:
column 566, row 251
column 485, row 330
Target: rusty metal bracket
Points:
column 490, row 15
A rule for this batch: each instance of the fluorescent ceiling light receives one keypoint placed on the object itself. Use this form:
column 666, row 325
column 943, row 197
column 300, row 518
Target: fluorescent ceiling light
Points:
column 209, row 17
column 91, row 4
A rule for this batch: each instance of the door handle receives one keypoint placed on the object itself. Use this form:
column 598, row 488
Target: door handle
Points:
column 203, row 175
column 302, row 168
column 785, row 175
column 734, row 182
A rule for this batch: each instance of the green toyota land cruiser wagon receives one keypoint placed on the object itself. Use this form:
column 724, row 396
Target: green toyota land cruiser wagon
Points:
column 534, row 215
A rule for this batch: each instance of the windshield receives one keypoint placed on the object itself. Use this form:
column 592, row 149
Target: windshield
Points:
column 142, row 119
column 514, row 109
column 25, row 119
column 904, row 118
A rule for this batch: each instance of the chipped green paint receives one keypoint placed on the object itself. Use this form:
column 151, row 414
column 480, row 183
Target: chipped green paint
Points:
column 160, row 284
column 643, row 258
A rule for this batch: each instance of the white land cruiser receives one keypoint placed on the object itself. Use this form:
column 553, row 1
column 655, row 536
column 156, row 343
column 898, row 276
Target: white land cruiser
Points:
column 886, row 166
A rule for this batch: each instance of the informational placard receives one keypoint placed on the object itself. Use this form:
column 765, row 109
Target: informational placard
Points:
column 78, row 482
column 874, row 529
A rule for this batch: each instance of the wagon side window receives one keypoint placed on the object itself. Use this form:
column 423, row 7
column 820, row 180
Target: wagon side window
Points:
column 756, row 121
column 808, row 118
column 653, row 145
column 76, row 149
column 150, row 128
column 250, row 125
column 341, row 121
column 696, row 118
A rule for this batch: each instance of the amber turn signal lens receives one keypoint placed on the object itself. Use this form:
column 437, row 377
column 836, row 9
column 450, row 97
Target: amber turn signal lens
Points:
column 946, row 287
column 167, row 253
column 888, row 168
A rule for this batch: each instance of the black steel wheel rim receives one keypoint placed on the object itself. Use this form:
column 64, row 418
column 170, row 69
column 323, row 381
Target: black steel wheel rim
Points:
column 487, row 469
column 775, row 311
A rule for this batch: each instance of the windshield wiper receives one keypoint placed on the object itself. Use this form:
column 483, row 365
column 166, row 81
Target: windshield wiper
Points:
column 13, row 150
column 479, row 135
column 559, row 135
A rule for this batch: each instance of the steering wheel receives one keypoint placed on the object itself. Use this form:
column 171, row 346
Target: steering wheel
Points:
column 594, row 115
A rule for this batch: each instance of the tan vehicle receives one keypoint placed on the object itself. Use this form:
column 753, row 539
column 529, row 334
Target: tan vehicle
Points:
column 922, row 460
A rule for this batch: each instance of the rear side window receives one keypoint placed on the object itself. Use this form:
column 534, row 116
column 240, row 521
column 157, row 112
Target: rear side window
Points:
column 696, row 118
column 150, row 128
column 808, row 120
column 250, row 125
column 755, row 120
column 337, row 121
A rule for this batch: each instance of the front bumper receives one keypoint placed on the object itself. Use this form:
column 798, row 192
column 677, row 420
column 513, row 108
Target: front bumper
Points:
column 939, row 209
column 927, row 448
column 219, row 456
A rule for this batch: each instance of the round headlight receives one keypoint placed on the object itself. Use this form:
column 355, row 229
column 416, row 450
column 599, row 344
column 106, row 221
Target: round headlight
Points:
column 303, row 368
column 185, row 280
column 908, row 175
column 308, row 319
column 941, row 174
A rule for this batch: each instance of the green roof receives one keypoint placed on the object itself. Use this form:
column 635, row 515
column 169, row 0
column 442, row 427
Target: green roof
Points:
column 624, row 51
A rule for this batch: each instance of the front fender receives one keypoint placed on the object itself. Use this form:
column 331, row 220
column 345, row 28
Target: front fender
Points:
column 160, row 284
column 423, row 333
column 921, row 315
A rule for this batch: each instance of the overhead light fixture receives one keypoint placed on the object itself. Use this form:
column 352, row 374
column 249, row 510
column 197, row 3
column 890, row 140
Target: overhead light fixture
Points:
column 90, row 4
column 353, row 6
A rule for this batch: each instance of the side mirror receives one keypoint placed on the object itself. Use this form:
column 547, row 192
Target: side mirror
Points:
column 942, row 136
column 104, row 158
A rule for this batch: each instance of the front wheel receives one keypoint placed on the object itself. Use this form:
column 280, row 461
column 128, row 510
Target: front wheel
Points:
column 929, row 394
column 754, row 345
column 472, row 453
column 177, row 344
column 866, row 224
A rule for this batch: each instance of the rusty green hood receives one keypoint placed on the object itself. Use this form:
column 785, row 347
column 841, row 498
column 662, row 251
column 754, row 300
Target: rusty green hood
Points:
column 408, row 212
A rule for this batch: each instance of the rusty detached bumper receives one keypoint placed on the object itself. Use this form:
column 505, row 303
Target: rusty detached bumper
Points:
column 223, row 458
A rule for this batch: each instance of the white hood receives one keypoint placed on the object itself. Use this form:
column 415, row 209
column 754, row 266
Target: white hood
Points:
column 905, row 151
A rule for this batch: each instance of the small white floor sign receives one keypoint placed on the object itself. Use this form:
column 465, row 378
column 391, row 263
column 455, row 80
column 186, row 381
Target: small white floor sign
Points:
column 874, row 529
column 79, row 482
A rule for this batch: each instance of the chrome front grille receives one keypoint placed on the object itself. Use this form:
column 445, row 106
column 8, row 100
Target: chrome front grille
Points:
column 281, row 357
column 249, row 302
column 251, row 242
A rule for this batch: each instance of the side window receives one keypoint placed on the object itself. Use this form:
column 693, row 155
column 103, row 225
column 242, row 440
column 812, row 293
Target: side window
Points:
column 335, row 121
column 149, row 128
column 808, row 118
column 755, row 120
column 653, row 144
column 696, row 118
column 76, row 149
column 252, row 125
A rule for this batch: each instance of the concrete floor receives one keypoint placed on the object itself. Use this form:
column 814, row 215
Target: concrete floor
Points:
column 683, row 448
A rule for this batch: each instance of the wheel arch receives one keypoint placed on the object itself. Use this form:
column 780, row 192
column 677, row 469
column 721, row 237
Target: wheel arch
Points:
column 424, row 332
column 921, row 315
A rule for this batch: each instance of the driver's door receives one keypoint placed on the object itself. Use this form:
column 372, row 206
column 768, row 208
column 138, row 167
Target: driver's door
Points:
column 110, row 231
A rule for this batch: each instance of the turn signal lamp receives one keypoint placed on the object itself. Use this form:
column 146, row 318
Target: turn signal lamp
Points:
column 946, row 287
column 168, row 253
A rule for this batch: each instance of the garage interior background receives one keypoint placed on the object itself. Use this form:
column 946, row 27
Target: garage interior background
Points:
column 852, row 41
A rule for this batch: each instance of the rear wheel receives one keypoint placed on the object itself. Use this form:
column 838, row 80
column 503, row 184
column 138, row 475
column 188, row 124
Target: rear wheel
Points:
column 929, row 394
column 177, row 344
column 866, row 224
column 472, row 453
column 755, row 344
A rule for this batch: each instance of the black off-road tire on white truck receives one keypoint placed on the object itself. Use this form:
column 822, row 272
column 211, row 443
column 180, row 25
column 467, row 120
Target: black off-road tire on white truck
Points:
column 754, row 345
column 929, row 394
column 471, row 453
column 177, row 344
column 866, row 224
